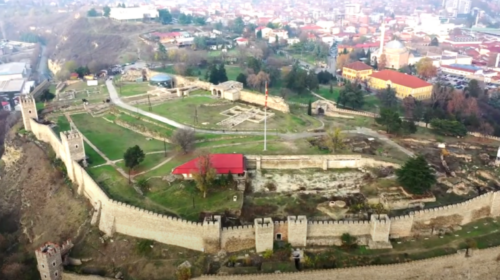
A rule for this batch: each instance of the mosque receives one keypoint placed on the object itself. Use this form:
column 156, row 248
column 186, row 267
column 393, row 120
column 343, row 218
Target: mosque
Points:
column 396, row 53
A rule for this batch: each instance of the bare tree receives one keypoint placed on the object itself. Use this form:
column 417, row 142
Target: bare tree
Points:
column 184, row 139
column 205, row 175
column 181, row 69
column 334, row 140
column 258, row 81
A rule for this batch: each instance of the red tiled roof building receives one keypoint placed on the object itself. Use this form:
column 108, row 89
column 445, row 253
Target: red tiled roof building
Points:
column 405, row 85
column 222, row 163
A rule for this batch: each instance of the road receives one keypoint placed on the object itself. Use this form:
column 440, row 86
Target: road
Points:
column 43, row 66
column 115, row 98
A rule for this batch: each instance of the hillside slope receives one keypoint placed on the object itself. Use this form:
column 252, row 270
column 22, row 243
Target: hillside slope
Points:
column 36, row 206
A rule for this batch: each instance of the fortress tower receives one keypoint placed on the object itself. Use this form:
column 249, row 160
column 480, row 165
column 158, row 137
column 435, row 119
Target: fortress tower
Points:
column 73, row 144
column 50, row 260
column 380, row 227
column 297, row 230
column 28, row 109
column 264, row 234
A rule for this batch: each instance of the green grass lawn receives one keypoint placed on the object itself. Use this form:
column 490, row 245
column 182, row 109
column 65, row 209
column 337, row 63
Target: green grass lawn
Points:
column 62, row 125
column 149, row 162
column 134, row 89
column 475, row 230
column 180, row 195
column 93, row 157
column 112, row 139
column 233, row 72
column 167, row 167
column 117, row 187
column 137, row 120
column 183, row 111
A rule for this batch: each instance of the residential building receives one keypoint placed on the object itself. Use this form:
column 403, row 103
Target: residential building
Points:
column 438, row 60
column 10, row 91
column 404, row 85
column 242, row 41
column 352, row 9
column 458, row 7
column 222, row 163
column 357, row 70
column 266, row 31
column 133, row 13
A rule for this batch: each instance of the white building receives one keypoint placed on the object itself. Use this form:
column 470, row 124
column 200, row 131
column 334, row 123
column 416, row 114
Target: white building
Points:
column 14, row 71
column 458, row 6
column 132, row 14
column 352, row 9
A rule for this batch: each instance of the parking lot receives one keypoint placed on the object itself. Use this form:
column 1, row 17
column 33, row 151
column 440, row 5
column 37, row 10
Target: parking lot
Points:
column 459, row 82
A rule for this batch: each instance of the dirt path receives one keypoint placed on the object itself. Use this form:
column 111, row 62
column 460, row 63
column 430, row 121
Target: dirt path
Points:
column 156, row 167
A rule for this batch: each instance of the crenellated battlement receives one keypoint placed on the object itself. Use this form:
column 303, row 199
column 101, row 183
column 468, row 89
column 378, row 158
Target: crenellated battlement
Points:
column 26, row 99
column 238, row 228
column 71, row 134
column 297, row 219
column 333, row 223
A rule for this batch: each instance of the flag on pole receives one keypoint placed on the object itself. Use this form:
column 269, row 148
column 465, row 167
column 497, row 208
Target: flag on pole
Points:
column 266, row 95
column 265, row 121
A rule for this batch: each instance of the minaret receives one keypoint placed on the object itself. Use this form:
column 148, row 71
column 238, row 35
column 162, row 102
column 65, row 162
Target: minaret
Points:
column 382, row 36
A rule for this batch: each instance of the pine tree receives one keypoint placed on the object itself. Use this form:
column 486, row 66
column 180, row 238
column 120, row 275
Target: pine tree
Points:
column 214, row 75
column 222, row 75
column 416, row 176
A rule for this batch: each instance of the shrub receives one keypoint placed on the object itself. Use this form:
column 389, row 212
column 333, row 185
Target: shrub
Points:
column 268, row 254
column 349, row 242
column 143, row 247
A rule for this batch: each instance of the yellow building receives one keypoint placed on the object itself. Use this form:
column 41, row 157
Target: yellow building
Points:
column 357, row 70
column 403, row 84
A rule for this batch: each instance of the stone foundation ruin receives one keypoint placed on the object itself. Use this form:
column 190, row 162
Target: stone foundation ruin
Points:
column 238, row 115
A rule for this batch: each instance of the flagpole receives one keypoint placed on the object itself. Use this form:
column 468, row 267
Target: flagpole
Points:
column 265, row 122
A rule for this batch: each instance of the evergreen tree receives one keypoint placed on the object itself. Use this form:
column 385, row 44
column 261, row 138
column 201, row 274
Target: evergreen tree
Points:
column 242, row 78
column 222, row 75
column 214, row 74
column 390, row 119
column 416, row 176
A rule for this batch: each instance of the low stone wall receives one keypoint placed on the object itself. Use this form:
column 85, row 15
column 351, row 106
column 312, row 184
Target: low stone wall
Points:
column 141, row 130
column 483, row 264
column 313, row 161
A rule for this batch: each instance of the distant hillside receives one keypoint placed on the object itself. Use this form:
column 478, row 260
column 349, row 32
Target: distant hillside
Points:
column 73, row 36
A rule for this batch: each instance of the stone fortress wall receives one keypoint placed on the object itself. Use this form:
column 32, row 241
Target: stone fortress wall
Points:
column 112, row 216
